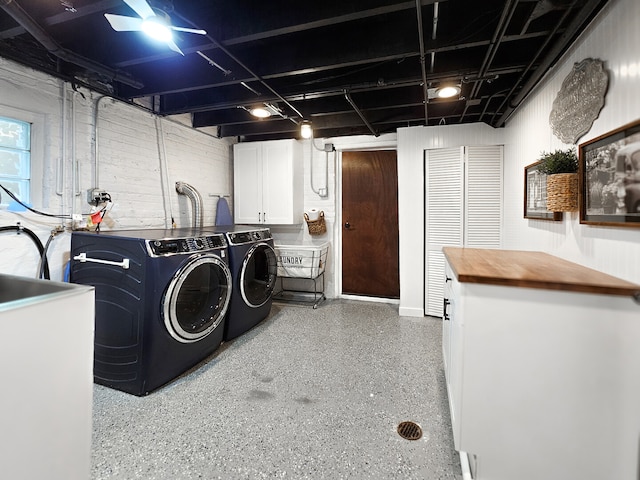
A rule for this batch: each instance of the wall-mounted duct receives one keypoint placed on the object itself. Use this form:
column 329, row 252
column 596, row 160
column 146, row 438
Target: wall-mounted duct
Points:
column 196, row 202
column 37, row 32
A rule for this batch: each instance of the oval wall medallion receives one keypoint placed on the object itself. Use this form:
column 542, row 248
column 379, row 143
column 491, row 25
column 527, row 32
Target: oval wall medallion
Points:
column 579, row 100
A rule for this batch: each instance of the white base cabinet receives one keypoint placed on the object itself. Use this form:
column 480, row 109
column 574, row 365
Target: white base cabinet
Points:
column 543, row 384
column 46, row 366
column 268, row 182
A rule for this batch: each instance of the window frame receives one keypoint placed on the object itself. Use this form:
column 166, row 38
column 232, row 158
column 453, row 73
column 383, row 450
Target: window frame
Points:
column 36, row 149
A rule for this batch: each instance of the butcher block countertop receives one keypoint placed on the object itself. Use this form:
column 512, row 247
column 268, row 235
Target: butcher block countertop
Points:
column 532, row 270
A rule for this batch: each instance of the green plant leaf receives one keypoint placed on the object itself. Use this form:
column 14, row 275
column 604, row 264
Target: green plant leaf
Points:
column 559, row 161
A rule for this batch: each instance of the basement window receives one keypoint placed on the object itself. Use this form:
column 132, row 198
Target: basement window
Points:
column 15, row 159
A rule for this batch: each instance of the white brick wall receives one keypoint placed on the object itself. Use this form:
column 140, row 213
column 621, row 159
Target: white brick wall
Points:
column 140, row 158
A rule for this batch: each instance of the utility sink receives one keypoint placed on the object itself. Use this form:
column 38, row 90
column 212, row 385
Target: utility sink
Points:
column 46, row 366
column 20, row 291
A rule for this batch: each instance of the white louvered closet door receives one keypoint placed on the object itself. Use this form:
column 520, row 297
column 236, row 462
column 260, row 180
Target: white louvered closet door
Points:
column 444, row 212
column 483, row 197
column 463, row 208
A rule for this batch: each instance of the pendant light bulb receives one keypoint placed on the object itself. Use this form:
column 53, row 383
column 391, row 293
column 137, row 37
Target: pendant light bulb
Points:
column 305, row 129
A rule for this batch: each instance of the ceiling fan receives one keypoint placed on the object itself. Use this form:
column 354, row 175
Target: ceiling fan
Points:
column 152, row 21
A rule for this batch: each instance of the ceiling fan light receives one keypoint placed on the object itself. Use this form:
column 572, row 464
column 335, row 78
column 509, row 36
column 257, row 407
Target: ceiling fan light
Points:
column 448, row 91
column 156, row 29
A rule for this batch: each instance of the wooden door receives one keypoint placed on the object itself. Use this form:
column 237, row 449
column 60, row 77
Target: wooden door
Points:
column 370, row 260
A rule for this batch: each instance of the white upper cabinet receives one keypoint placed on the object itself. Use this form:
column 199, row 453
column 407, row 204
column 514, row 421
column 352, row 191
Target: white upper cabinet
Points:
column 268, row 182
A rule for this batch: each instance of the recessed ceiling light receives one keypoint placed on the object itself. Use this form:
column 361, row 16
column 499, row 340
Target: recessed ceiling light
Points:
column 260, row 112
column 265, row 110
column 448, row 91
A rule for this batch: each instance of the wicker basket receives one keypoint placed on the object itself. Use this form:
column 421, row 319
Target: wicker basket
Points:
column 562, row 192
column 316, row 227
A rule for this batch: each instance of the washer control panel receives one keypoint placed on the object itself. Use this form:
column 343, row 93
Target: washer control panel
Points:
column 173, row 246
column 238, row 238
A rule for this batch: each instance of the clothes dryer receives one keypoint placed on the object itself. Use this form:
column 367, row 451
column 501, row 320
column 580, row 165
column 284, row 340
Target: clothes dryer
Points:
column 161, row 301
column 253, row 264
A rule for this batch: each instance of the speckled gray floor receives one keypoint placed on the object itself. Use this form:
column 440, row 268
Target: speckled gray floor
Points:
column 307, row 394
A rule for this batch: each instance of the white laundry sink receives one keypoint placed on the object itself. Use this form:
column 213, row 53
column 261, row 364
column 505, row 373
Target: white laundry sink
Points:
column 46, row 366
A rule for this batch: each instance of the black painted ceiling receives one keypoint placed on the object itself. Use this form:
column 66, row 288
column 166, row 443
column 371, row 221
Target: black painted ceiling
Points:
column 349, row 67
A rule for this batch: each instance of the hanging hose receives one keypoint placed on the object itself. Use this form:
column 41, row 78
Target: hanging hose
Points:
column 43, row 269
column 43, row 255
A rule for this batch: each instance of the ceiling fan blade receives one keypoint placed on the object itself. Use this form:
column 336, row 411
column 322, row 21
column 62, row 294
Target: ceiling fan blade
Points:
column 121, row 23
column 188, row 30
column 172, row 45
column 141, row 7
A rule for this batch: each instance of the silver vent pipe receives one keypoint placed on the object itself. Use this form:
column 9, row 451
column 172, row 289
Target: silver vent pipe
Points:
column 196, row 202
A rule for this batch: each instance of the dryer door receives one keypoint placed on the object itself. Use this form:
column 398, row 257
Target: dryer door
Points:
column 258, row 275
column 197, row 298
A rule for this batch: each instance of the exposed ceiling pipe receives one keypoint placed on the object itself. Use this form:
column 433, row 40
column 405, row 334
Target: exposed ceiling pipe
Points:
column 37, row 32
column 355, row 107
column 425, row 87
column 433, row 35
column 498, row 35
column 219, row 45
column 196, row 202
column 572, row 29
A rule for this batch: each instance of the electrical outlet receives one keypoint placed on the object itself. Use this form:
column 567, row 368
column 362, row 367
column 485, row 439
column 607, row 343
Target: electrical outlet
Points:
column 96, row 196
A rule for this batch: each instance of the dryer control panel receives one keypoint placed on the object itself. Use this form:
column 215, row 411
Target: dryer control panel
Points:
column 238, row 238
column 173, row 246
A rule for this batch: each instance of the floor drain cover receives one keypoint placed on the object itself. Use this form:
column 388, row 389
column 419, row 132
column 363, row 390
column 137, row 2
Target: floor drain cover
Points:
column 410, row 430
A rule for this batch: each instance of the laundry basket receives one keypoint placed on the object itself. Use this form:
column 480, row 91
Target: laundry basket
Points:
column 301, row 261
column 301, row 266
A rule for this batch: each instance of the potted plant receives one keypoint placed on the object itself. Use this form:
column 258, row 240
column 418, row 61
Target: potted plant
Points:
column 561, row 168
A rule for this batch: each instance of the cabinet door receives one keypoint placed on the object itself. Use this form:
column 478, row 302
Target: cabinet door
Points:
column 281, row 183
column 247, row 183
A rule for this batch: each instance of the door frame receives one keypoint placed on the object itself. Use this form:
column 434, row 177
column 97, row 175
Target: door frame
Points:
column 366, row 146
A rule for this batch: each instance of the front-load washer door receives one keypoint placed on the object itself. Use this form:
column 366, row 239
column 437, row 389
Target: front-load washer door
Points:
column 197, row 298
column 258, row 275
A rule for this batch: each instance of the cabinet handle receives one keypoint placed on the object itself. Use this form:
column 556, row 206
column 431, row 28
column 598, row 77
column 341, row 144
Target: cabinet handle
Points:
column 447, row 279
column 445, row 315
column 264, row 217
column 259, row 218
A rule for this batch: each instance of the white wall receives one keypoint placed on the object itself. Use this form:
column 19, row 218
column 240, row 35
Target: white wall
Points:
column 614, row 38
column 140, row 157
column 412, row 142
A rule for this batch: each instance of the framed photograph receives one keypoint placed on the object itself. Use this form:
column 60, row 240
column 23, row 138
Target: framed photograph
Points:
column 609, row 173
column 535, row 194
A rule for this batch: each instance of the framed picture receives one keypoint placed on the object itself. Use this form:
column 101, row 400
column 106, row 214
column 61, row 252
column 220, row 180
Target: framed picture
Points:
column 535, row 194
column 609, row 173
